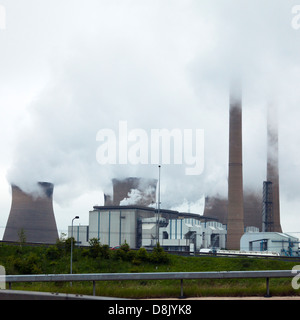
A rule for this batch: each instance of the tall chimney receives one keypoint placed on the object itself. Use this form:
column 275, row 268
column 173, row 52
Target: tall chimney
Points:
column 235, row 218
column 272, row 165
column 32, row 214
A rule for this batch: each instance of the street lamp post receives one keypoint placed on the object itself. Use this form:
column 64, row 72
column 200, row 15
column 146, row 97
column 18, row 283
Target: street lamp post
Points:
column 158, row 207
column 77, row 217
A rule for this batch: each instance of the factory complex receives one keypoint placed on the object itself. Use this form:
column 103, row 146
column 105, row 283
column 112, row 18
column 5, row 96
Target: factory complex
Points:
column 243, row 221
column 138, row 224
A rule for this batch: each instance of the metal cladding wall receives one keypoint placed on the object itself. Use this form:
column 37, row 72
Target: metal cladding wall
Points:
column 33, row 214
column 272, row 167
column 114, row 227
column 235, row 218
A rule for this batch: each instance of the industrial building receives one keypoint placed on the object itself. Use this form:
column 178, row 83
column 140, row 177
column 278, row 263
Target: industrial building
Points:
column 142, row 227
column 192, row 235
column 281, row 243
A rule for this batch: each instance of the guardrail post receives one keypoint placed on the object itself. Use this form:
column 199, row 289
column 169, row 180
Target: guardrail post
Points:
column 268, row 288
column 94, row 288
column 181, row 290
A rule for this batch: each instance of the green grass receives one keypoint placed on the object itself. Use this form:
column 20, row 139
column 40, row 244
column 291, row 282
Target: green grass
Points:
column 31, row 260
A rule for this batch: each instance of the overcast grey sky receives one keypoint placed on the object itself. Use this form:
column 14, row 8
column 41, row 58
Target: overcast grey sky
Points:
column 71, row 68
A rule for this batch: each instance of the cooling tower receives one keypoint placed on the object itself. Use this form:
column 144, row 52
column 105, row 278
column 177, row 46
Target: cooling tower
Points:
column 33, row 215
column 216, row 207
column 272, row 167
column 235, row 218
column 132, row 191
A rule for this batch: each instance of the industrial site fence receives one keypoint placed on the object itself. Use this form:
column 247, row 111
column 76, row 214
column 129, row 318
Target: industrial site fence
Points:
column 94, row 277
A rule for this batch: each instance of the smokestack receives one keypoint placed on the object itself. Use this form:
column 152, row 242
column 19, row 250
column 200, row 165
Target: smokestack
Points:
column 235, row 218
column 145, row 192
column 32, row 214
column 272, row 166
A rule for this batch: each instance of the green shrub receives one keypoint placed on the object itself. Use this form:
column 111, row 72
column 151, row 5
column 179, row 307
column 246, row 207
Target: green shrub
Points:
column 142, row 255
column 64, row 246
column 125, row 247
column 158, row 255
column 28, row 264
column 97, row 250
column 105, row 251
column 94, row 249
column 53, row 253
column 124, row 253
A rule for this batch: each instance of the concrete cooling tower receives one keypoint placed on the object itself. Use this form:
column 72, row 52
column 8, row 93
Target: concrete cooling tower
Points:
column 132, row 191
column 33, row 215
column 216, row 207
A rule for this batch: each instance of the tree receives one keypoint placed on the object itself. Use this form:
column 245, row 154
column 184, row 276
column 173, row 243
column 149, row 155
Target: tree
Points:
column 22, row 237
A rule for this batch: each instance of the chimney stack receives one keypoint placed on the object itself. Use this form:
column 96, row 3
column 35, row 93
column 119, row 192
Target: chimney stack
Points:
column 235, row 218
column 272, row 166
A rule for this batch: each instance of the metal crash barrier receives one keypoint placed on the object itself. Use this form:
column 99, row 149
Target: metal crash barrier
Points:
column 94, row 277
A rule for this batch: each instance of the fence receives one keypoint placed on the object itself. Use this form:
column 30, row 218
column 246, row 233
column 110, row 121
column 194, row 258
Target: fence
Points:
column 93, row 277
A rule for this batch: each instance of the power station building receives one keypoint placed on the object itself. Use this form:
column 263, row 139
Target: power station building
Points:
column 191, row 234
column 142, row 227
column 281, row 243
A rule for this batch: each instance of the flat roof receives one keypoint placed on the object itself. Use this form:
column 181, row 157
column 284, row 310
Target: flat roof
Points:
column 185, row 215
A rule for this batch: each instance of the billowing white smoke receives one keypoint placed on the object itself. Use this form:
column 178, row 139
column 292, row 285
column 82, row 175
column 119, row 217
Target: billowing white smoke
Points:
column 191, row 207
column 138, row 197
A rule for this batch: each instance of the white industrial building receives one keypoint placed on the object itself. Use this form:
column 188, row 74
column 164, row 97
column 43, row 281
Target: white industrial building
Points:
column 185, row 234
column 80, row 234
column 113, row 225
column 281, row 243
column 140, row 226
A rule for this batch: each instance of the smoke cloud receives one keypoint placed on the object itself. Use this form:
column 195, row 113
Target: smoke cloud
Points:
column 155, row 65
